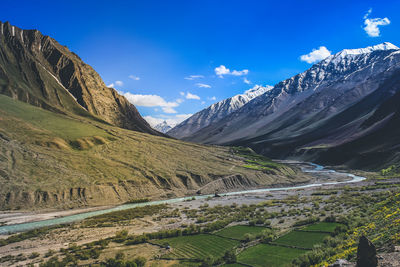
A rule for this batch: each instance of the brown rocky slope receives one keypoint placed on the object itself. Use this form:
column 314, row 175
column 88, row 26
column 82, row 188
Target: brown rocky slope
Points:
column 38, row 70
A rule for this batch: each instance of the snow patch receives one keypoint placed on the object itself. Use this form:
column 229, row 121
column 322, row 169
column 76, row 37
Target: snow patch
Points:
column 58, row 81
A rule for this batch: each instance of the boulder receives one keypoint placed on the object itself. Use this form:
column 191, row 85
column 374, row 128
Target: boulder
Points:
column 366, row 253
column 341, row 263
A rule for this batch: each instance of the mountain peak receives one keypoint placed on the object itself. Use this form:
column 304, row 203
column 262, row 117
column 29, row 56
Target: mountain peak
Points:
column 59, row 80
column 257, row 89
column 366, row 50
column 163, row 126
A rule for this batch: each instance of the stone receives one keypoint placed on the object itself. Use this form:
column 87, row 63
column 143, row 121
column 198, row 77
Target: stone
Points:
column 341, row 263
column 366, row 253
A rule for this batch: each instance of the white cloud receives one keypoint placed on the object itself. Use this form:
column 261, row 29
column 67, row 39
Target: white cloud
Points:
column 368, row 13
column 372, row 25
column 203, row 85
column 179, row 100
column 222, row 70
column 172, row 120
column 182, row 93
column 240, row 72
column 203, row 102
column 149, row 100
column 116, row 83
column 193, row 77
column 246, row 81
column 168, row 110
column 133, row 77
column 316, row 55
column 213, row 98
column 192, row 96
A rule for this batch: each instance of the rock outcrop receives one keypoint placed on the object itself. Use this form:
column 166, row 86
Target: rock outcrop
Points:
column 366, row 253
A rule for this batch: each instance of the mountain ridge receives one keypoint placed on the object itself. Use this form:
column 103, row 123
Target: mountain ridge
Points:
column 215, row 112
column 298, row 106
column 36, row 69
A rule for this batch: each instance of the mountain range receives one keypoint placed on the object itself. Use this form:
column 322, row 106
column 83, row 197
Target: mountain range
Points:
column 68, row 140
column 215, row 112
column 340, row 111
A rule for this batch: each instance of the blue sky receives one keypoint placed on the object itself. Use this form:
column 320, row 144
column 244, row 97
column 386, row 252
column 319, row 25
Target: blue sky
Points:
column 151, row 46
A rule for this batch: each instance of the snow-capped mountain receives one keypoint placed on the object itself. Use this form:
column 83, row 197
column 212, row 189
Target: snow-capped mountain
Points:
column 295, row 113
column 163, row 127
column 215, row 112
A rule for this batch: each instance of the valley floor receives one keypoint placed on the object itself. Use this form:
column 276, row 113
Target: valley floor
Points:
column 278, row 211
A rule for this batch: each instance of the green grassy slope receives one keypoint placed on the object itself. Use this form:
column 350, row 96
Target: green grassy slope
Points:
column 48, row 158
column 239, row 231
column 269, row 255
column 198, row 246
column 300, row 239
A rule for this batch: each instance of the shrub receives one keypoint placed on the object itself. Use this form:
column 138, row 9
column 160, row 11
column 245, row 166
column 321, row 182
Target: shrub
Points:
column 207, row 262
column 306, row 221
column 230, row 256
column 34, row 255
column 49, row 253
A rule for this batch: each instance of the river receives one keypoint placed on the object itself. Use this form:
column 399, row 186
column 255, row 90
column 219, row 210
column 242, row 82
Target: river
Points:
column 22, row 227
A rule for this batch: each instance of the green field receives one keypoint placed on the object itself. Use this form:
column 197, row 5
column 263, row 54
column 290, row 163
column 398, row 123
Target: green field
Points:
column 197, row 246
column 322, row 227
column 269, row 255
column 301, row 239
column 239, row 231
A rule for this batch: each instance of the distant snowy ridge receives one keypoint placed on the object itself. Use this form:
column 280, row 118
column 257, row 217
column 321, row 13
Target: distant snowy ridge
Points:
column 216, row 112
column 163, row 127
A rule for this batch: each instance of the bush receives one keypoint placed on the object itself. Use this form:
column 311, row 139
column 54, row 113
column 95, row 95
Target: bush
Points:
column 49, row 253
column 340, row 229
column 248, row 237
column 140, row 261
column 121, row 236
column 230, row 256
column 207, row 262
column 120, row 256
column 120, row 262
column 34, row 255
column 252, row 223
column 330, row 218
column 306, row 221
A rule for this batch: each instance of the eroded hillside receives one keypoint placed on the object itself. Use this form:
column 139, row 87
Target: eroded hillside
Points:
column 50, row 159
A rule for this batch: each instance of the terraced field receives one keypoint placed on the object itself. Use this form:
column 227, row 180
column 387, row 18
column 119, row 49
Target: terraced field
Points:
column 197, row 246
column 269, row 255
column 322, row 227
column 239, row 231
column 288, row 247
column 301, row 239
